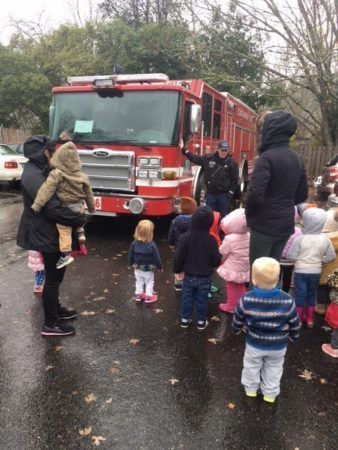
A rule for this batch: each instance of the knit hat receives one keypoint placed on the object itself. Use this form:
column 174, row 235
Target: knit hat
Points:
column 188, row 205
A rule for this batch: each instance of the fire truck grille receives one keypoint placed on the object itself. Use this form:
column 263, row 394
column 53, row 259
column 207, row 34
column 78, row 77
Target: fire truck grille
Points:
column 109, row 169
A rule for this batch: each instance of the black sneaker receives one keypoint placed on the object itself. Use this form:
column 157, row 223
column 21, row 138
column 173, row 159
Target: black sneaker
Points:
column 64, row 260
column 66, row 314
column 58, row 329
column 202, row 324
column 185, row 323
column 178, row 287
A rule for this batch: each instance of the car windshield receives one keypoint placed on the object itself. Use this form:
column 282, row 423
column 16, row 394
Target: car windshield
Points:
column 5, row 150
column 148, row 117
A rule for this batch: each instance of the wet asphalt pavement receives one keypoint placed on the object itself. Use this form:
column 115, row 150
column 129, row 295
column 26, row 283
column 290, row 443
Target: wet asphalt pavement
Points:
column 130, row 377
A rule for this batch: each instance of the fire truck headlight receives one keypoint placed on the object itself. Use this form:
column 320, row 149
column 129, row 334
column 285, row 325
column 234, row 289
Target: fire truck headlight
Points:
column 154, row 161
column 142, row 173
column 143, row 161
column 154, row 174
column 136, row 205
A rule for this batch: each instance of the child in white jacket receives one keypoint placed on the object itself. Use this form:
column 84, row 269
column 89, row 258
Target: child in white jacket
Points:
column 309, row 251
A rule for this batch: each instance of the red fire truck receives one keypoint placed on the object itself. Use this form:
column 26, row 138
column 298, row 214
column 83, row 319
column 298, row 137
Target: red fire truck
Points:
column 128, row 129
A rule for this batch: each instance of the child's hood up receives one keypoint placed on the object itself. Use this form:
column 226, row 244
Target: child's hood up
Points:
column 67, row 159
column 202, row 219
column 235, row 222
column 313, row 220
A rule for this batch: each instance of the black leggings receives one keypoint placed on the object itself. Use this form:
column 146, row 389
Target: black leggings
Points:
column 50, row 295
column 286, row 276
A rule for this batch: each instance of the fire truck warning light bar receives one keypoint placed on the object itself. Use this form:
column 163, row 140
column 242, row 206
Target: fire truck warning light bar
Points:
column 110, row 80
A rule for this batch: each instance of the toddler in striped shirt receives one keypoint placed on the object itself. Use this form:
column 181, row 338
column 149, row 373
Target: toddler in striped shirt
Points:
column 269, row 318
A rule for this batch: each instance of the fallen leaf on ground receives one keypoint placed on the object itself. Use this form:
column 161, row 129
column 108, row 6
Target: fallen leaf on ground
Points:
column 118, row 254
column 323, row 381
column 116, row 362
column 114, row 370
column 106, row 291
column 110, row 311
column 87, row 313
column 85, row 431
column 90, row 398
column 49, row 368
column 326, row 328
column 116, row 274
column 134, row 341
column 109, row 400
column 213, row 341
column 98, row 299
column 167, row 281
column 231, row 405
column 116, row 283
column 58, row 348
column 215, row 319
column 158, row 310
column 75, row 392
column 97, row 440
column 173, row 381
column 307, row 375
column 322, row 414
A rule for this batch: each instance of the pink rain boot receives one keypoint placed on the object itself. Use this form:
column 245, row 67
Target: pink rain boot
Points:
column 232, row 295
column 309, row 316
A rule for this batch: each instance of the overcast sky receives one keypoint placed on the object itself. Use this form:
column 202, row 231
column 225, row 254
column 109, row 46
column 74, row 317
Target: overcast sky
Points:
column 51, row 12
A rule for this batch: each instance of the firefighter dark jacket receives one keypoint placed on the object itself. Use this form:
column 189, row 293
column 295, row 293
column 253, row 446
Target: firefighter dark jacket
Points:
column 220, row 174
column 66, row 180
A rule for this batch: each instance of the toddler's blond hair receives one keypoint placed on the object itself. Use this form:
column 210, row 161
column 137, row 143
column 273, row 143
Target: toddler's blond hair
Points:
column 144, row 231
column 265, row 273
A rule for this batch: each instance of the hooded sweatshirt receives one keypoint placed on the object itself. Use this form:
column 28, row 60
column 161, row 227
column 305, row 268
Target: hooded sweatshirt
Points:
column 312, row 248
column 197, row 251
column 279, row 179
column 235, row 248
column 38, row 231
column 66, row 180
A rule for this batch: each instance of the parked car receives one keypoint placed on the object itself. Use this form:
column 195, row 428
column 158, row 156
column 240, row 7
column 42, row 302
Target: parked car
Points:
column 11, row 164
column 328, row 179
column 18, row 148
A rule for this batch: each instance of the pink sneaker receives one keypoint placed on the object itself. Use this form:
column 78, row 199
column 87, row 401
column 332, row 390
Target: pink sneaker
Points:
column 329, row 350
column 151, row 299
column 139, row 297
column 225, row 307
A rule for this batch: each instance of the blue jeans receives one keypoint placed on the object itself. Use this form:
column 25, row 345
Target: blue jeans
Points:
column 218, row 202
column 195, row 292
column 306, row 285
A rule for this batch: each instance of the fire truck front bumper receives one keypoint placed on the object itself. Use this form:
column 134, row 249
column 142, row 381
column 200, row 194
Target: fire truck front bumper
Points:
column 118, row 204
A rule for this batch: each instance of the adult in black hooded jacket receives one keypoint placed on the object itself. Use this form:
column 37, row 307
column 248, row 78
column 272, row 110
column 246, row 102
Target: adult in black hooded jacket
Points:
column 278, row 183
column 39, row 232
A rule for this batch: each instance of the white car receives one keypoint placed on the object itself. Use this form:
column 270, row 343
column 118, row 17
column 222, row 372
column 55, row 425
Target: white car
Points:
column 11, row 164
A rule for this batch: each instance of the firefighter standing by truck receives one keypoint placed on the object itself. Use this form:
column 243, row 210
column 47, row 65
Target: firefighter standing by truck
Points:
column 220, row 175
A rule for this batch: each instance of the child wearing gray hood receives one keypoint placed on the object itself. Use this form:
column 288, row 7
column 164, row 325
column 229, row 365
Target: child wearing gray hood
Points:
column 309, row 251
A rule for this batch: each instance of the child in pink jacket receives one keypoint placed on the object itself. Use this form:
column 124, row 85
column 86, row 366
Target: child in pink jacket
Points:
column 235, row 268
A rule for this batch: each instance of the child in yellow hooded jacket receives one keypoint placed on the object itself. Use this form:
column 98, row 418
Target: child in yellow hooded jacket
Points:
column 73, row 189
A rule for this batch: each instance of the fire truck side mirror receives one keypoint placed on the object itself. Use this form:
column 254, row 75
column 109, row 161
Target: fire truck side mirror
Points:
column 195, row 118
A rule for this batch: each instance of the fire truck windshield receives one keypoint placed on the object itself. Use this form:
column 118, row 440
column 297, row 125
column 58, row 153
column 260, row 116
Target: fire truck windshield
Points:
column 133, row 117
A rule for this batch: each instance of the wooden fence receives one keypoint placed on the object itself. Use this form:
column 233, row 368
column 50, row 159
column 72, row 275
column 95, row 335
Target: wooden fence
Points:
column 315, row 158
column 13, row 135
